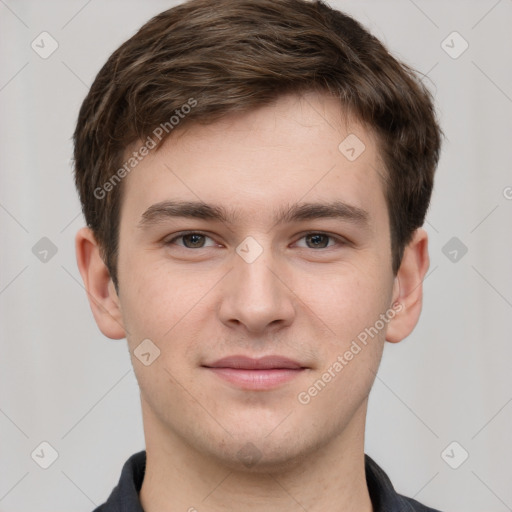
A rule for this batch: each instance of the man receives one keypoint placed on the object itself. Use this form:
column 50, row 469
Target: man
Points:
column 254, row 175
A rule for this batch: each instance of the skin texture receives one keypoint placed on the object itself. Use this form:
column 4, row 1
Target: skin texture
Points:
column 211, row 444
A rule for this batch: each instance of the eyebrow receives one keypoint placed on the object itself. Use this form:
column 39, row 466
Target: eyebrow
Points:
column 164, row 210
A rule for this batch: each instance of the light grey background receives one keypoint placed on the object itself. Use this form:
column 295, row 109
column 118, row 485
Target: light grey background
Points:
column 62, row 382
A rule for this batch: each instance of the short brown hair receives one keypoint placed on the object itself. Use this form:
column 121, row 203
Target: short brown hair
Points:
column 227, row 56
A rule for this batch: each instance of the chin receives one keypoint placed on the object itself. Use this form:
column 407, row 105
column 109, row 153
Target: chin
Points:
column 251, row 453
column 249, row 458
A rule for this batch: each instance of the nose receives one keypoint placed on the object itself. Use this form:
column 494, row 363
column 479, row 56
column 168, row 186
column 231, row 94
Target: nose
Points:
column 256, row 295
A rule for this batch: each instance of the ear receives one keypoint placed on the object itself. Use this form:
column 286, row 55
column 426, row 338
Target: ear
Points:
column 100, row 289
column 408, row 287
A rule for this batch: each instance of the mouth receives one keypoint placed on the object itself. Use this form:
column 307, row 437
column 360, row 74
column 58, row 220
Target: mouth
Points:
column 256, row 374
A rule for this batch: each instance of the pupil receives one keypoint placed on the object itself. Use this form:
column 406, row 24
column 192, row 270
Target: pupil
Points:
column 194, row 238
column 315, row 239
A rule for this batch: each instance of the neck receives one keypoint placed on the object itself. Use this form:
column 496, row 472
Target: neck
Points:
column 331, row 478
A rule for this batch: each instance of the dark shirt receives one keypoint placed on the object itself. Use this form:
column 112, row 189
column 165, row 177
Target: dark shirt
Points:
column 125, row 496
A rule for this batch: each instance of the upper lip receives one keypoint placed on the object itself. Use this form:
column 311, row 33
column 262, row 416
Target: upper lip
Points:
column 249, row 363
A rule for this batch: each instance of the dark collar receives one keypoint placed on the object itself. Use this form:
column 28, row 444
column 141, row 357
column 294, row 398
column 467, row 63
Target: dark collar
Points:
column 125, row 496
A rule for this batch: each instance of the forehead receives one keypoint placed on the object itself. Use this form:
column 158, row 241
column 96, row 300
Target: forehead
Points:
column 255, row 165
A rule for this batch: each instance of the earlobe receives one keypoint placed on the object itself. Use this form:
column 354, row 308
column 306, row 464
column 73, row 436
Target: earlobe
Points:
column 408, row 287
column 101, row 293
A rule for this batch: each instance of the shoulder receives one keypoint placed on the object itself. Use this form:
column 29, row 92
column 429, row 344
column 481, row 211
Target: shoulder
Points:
column 125, row 495
column 383, row 495
column 411, row 505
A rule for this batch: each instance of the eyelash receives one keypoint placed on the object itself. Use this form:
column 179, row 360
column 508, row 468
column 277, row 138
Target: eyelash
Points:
column 339, row 241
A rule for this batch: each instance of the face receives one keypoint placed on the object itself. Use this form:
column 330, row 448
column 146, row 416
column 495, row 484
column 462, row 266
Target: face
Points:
column 257, row 305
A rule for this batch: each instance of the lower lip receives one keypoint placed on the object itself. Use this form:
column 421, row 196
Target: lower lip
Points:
column 257, row 379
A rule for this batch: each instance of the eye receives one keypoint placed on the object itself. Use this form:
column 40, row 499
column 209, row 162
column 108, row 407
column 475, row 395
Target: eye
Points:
column 320, row 240
column 191, row 240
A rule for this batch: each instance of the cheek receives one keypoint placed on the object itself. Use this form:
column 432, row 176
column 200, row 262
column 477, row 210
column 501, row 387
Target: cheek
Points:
column 348, row 364
column 150, row 296
column 350, row 299
column 168, row 307
column 163, row 309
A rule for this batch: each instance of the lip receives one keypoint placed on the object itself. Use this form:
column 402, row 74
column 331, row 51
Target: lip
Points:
column 256, row 374
column 261, row 363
